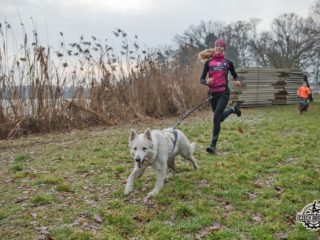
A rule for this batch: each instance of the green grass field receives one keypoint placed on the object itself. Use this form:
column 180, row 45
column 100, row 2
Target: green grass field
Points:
column 70, row 186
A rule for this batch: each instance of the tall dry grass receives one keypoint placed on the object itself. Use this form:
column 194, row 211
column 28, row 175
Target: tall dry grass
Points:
column 89, row 83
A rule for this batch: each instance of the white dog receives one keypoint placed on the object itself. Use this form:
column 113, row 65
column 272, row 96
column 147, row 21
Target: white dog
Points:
column 158, row 149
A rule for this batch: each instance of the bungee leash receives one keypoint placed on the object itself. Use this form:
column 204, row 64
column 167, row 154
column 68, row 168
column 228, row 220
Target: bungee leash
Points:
column 189, row 112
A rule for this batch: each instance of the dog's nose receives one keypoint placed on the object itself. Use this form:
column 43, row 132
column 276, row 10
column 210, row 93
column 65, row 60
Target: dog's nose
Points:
column 138, row 159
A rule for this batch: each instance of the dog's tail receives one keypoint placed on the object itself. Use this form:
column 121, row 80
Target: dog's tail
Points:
column 193, row 147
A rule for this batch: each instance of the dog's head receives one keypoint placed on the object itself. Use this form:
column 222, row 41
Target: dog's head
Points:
column 141, row 146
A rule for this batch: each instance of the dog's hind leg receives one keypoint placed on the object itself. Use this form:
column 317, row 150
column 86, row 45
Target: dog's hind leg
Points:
column 193, row 161
column 191, row 158
column 187, row 153
column 137, row 172
column 172, row 165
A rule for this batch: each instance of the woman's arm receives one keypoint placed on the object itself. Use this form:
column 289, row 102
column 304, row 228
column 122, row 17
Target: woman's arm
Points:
column 233, row 72
column 204, row 73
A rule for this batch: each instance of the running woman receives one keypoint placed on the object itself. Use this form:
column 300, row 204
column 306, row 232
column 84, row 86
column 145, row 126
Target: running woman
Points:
column 218, row 67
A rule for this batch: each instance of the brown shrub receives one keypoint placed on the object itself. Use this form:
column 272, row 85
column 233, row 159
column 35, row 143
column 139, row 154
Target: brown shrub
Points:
column 86, row 84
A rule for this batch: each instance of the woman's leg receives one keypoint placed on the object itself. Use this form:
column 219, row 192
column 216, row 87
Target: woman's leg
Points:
column 219, row 116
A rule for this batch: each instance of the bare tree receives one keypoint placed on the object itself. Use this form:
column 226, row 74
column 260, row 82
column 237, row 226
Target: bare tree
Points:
column 315, row 14
column 261, row 49
column 290, row 43
column 239, row 36
column 315, row 10
column 200, row 36
column 195, row 39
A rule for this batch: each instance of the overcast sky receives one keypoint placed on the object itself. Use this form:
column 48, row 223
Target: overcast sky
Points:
column 154, row 21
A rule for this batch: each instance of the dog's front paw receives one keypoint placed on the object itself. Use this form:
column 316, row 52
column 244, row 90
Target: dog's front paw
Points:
column 151, row 194
column 127, row 191
column 147, row 200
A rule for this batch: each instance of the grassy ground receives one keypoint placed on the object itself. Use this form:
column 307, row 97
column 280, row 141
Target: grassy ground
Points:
column 70, row 186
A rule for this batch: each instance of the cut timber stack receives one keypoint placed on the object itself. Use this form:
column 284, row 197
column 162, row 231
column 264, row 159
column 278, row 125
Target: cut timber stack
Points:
column 267, row 86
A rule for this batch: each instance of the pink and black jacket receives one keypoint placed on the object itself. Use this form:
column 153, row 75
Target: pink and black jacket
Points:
column 218, row 68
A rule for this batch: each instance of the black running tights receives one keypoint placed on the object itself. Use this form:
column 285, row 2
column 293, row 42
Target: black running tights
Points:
column 219, row 103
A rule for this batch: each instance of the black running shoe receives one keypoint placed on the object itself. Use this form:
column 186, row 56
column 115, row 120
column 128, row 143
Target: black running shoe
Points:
column 211, row 150
column 236, row 108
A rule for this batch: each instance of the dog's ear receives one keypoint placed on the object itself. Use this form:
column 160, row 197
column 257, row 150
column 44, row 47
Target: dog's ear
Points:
column 147, row 134
column 133, row 134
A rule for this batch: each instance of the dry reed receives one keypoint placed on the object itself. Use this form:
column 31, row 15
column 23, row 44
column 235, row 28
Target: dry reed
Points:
column 88, row 83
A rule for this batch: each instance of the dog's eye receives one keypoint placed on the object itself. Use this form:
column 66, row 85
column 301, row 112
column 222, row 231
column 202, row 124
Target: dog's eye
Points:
column 135, row 148
column 144, row 148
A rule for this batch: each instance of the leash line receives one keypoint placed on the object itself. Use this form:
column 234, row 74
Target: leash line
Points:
column 175, row 133
column 189, row 112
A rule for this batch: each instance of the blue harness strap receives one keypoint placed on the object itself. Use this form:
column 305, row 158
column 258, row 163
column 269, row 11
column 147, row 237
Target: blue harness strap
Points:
column 175, row 134
column 175, row 138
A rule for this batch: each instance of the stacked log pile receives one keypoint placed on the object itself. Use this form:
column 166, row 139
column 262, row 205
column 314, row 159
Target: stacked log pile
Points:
column 267, row 86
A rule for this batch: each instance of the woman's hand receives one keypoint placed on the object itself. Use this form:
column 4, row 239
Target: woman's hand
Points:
column 209, row 81
column 238, row 83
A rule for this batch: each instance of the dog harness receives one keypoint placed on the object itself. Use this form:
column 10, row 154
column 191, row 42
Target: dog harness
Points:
column 175, row 137
column 175, row 133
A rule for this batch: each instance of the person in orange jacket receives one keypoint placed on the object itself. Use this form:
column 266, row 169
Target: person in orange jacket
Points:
column 304, row 93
